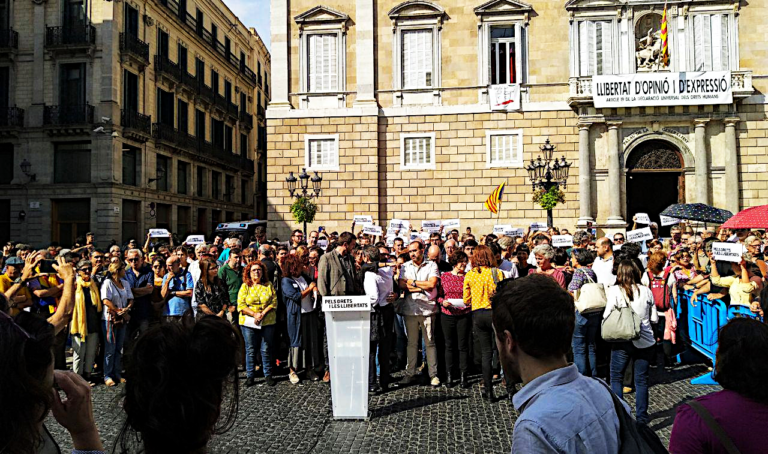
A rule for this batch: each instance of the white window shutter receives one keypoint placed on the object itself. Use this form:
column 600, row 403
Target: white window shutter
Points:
column 585, row 50
column 607, row 39
column 592, row 53
column 716, row 33
column 725, row 39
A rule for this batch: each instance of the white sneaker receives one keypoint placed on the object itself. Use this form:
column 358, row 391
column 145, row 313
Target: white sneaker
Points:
column 435, row 382
column 293, row 377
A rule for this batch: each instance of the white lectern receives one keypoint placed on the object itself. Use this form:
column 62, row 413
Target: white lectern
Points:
column 348, row 326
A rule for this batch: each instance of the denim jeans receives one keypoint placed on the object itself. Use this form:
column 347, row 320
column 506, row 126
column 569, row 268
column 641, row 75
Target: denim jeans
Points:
column 482, row 328
column 258, row 339
column 621, row 353
column 584, row 340
column 113, row 350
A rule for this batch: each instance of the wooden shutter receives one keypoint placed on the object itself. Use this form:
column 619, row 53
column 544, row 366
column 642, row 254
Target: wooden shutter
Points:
column 417, row 59
column 702, row 32
column 607, row 44
column 322, row 61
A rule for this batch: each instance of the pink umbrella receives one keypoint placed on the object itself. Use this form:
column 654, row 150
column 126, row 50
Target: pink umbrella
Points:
column 751, row 218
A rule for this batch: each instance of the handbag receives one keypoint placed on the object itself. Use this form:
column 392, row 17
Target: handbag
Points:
column 622, row 324
column 716, row 428
column 590, row 297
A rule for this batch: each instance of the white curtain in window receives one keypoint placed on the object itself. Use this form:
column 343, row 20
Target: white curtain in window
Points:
column 418, row 151
column 323, row 68
column 711, row 37
column 595, row 48
column 322, row 153
column 504, row 149
column 417, row 58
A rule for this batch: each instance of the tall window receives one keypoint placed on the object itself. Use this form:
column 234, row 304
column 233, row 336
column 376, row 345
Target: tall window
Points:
column 200, row 181
column 71, row 219
column 229, row 188
column 183, row 115
column 228, row 90
column 215, row 185
column 182, row 174
column 596, row 49
column 244, row 193
column 130, row 91
column 417, row 151
column 711, row 34
column 5, row 88
column 4, row 15
column 6, row 163
column 72, row 163
column 200, row 124
column 323, row 67
column 165, row 101
column 163, row 216
column 244, row 145
column 162, row 169
column 130, row 165
column 504, row 148
column 322, row 152
column 417, row 58
column 131, row 20
column 217, row 133
column 72, row 84
column 503, row 55
column 200, row 71
column 182, row 57
column 228, row 138
column 163, row 43
column 75, row 13
column 131, row 211
column 215, row 82
column 183, row 215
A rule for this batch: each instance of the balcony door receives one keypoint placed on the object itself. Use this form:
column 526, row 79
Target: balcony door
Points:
column 131, row 91
column 131, row 20
column 75, row 13
column 182, row 53
column 5, row 89
column 72, row 85
column 5, row 14
column 165, row 107
column 162, row 44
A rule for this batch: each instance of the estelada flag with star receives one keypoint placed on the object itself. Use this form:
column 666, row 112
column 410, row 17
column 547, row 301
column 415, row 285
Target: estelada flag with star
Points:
column 664, row 41
column 494, row 200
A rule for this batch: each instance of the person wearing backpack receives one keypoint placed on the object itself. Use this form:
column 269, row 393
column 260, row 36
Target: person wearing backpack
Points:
column 590, row 303
column 662, row 286
column 479, row 286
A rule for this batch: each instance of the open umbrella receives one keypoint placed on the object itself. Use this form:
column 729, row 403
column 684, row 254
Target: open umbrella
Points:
column 697, row 212
column 751, row 218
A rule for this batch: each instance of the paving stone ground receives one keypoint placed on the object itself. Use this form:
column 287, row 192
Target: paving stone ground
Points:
column 416, row 419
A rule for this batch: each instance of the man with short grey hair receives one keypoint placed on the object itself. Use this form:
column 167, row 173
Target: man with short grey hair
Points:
column 581, row 239
column 194, row 269
column 142, row 281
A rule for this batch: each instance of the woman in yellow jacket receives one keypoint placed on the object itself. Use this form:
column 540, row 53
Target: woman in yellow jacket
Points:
column 479, row 287
column 257, row 305
column 85, row 322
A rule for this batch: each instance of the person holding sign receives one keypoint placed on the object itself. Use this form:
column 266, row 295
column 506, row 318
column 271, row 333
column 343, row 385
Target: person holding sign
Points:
column 544, row 254
column 257, row 304
column 455, row 317
column 743, row 287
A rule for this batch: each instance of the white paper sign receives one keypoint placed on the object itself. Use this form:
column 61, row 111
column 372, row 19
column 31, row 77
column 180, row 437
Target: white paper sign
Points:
column 504, row 97
column 539, row 227
column 667, row 220
column 158, row 233
column 195, row 239
column 662, row 89
column 450, row 224
column 346, row 303
column 374, row 230
column 424, row 235
column 728, row 252
column 458, row 303
column 322, row 244
column 562, row 240
column 363, row 219
column 639, row 235
column 499, row 229
column 616, row 247
column 250, row 322
column 399, row 224
column 515, row 231
column 430, row 226
column 642, row 218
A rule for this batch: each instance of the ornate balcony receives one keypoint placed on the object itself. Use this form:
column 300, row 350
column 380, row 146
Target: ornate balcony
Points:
column 246, row 120
column 11, row 121
column 189, row 82
column 68, row 119
column 261, row 114
column 205, row 92
column 134, row 49
column 199, row 149
column 136, row 126
column 167, row 69
column 77, row 37
column 9, row 43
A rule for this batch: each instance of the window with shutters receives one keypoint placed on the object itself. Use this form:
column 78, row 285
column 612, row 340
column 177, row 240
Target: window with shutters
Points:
column 321, row 152
column 417, row 59
column 417, row 151
column 504, row 55
column 711, row 42
column 504, row 148
column 322, row 69
column 596, row 48
column 502, row 26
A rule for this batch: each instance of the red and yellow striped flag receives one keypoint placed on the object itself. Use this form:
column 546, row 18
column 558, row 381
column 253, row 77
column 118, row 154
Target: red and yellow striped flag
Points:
column 494, row 200
column 664, row 40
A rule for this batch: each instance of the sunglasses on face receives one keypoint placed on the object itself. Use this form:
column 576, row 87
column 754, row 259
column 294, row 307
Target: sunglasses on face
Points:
column 84, row 270
column 157, row 267
column 131, row 260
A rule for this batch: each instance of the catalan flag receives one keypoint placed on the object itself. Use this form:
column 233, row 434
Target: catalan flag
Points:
column 494, row 200
column 664, row 41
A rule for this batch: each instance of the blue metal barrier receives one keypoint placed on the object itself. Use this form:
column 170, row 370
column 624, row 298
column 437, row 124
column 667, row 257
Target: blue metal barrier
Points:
column 702, row 325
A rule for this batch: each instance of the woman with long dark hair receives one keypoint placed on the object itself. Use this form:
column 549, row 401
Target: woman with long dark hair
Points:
column 628, row 291
column 118, row 300
column 257, row 304
column 456, row 322
column 211, row 293
column 298, row 297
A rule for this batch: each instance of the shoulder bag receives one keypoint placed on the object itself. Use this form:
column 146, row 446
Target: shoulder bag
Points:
column 716, row 428
column 590, row 297
column 623, row 323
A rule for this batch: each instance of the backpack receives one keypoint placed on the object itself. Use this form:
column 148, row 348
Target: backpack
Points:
column 634, row 438
column 662, row 294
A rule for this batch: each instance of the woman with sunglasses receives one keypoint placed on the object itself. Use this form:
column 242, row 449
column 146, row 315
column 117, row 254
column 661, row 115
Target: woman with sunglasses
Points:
column 118, row 300
column 159, row 270
column 211, row 293
column 85, row 322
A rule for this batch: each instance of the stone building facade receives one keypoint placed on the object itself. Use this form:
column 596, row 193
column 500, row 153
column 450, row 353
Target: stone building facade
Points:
column 117, row 117
column 396, row 104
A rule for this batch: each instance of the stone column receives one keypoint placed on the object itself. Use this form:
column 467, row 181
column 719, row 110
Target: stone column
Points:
column 731, row 166
column 280, row 55
column 702, row 162
column 585, row 176
column 364, row 53
column 614, row 175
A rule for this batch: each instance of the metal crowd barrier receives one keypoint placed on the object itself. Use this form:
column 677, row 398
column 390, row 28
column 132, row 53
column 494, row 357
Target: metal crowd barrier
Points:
column 702, row 324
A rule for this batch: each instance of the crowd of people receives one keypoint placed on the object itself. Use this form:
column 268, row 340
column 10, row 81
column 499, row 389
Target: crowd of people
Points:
column 255, row 303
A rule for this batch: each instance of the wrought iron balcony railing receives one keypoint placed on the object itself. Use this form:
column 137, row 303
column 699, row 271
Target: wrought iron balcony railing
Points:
column 9, row 39
column 11, row 117
column 74, row 114
column 132, row 45
column 77, row 35
column 137, row 121
column 164, row 66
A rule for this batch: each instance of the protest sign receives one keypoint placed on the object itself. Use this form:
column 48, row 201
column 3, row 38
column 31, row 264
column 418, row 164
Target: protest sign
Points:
column 500, row 229
column 323, row 244
column 195, row 239
column 642, row 218
column 667, row 220
column 727, row 252
column 399, row 224
column 562, row 240
column 158, row 233
column 363, row 219
column 430, row 226
column 539, row 227
column 450, row 224
column 639, row 235
column 374, row 230
column 616, row 247
column 514, row 231
column 424, row 236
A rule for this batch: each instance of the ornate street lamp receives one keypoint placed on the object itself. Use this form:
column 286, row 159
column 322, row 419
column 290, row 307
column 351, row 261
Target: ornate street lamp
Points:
column 303, row 189
column 548, row 173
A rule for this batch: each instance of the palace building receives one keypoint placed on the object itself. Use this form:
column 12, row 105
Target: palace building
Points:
column 117, row 117
column 419, row 109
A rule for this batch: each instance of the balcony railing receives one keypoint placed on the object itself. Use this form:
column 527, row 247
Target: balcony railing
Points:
column 260, row 112
column 205, row 91
column 68, row 114
column 9, row 39
column 180, row 139
column 11, row 117
column 134, row 120
column 189, row 81
column 246, row 119
column 79, row 35
column 135, row 47
column 164, row 66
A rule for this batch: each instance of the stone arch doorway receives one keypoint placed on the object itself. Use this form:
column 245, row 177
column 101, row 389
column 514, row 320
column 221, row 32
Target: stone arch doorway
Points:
column 655, row 180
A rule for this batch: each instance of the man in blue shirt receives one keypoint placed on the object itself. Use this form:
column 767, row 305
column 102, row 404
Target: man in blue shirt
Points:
column 177, row 288
column 561, row 411
column 142, row 280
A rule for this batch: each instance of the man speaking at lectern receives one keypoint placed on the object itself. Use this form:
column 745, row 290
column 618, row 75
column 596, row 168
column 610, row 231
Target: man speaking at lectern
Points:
column 337, row 276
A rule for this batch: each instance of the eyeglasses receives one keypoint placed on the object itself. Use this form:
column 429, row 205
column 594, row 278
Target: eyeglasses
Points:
column 132, row 260
column 157, row 266
column 84, row 270
column 98, row 257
